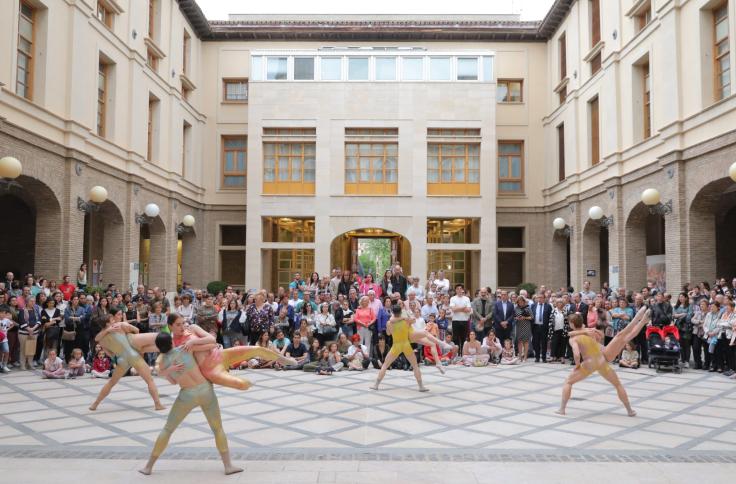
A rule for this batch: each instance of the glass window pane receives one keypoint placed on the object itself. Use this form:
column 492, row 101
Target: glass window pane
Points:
column 256, row 68
column 432, row 176
column 487, row 68
column 432, row 162
column 283, row 169
column 276, row 69
column 296, row 169
column 721, row 30
column 25, row 28
column 229, row 161
column 503, row 168
column 439, row 68
column 331, row 68
column 515, row 88
column 385, row 68
column 412, row 68
column 234, row 181
column 391, row 176
column 515, row 167
column 501, row 91
column 509, row 187
column 304, row 68
column 309, row 175
column 351, row 163
column 433, row 149
column 473, row 176
column 467, row 69
column 351, row 176
column 509, row 148
column 269, row 175
column 391, row 163
column 357, row 68
column 241, row 161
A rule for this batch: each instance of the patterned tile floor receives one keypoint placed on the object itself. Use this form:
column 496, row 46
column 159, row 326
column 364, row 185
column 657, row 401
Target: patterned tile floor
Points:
column 471, row 414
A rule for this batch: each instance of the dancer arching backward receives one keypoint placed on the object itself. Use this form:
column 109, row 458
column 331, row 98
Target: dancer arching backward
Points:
column 213, row 361
column 400, row 330
column 425, row 338
column 590, row 357
column 179, row 366
column 115, row 339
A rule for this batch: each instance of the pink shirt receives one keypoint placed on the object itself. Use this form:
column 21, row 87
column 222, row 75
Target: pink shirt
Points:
column 364, row 316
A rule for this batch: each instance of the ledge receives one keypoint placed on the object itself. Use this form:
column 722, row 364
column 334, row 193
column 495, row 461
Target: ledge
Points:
column 561, row 85
column 638, row 8
column 187, row 83
column 155, row 49
column 594, row 51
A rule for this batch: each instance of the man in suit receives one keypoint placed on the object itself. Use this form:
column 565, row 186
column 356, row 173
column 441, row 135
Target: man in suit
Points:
column 398, row 281
column 482, row 313
column 503, row 317
column 541, row 310
column 578, row 306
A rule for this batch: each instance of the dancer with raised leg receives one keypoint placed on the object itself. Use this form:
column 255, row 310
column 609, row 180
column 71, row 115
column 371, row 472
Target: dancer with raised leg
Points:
column 590, row 357
column 115, row 339
column 400, row 330
column 179, row 366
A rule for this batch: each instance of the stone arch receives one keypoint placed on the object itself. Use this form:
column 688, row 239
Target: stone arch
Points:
column 343, row 255
column 187, row 258
column 152, row 253
column 591, row 249
column 711, row 230
column 104, row 245
column 635, row 248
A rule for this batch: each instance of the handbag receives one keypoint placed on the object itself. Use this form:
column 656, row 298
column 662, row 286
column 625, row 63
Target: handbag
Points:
column 68, row 335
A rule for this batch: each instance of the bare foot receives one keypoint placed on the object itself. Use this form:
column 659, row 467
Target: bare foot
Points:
column 232, row 470
column 423, row 389
column 93, row 407
column 145, row 471
column 560, row 412
column 374, row 387
column 287, row 361
column 441, row 368
column 159, row 406
column 632, row 412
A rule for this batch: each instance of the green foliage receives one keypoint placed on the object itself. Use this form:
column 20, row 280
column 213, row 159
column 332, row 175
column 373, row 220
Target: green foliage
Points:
column 92, row 289
column 530, row 287
column 376, row 256
column 216, row 286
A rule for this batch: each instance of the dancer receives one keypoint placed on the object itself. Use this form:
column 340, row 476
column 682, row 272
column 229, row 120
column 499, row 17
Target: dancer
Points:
column 213, row 361
column 590, row 357
column 115, row 340
column 400, row 330
column 425, row 338
column 179, row 367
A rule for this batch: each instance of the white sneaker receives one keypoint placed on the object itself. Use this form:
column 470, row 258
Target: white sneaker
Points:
column 5, row 369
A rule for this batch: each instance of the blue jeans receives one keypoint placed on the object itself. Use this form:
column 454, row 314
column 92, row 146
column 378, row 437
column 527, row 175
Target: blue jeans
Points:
column 347, row 330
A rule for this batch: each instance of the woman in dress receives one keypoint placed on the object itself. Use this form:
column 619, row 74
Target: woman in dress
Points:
column 82, row 277
column 523, row 317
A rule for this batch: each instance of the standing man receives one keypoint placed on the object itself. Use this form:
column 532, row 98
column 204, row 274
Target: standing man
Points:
column 442, row 283
column 67, row 288
column 398, row 282
column 335, row 281
column 482, row 312
column 542, row 311
column 503, row 317
column 587, row 293
column 298, row 284
column 461, row 310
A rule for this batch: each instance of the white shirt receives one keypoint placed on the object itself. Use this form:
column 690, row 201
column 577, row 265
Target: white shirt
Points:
column 443, row 285
column 353, row 349
column 460, row 302
column 539, row 314
column 559, row 319
column 419, row 324
column 418, row 291
column 4, row 326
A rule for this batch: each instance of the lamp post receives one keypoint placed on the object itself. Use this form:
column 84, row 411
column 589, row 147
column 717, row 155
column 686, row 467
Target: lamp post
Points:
column 149, row 213
column 561, row 227
column 10, row 169
column 651, row 198
column 186, row 224
column 97, row 196
column 596, row 213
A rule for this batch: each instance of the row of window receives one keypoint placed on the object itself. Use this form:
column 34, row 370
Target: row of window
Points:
column 371, row 166
column 363, row 66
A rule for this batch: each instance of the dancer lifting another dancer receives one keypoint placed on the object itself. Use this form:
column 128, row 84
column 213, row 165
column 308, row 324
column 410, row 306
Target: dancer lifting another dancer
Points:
column 590, row 356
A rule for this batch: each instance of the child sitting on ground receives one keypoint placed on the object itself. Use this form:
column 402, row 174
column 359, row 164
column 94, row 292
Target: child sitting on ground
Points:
column 629, row 357
column 77, row 366
column 507, row 355
column 53, row 367
column 101, row 365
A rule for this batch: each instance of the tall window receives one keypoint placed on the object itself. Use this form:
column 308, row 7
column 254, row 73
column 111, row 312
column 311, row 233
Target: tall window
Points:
column 646, row 104
column 102, row 74
column 235, row 90
column 186, row 142
column 104, row 14
column 594, row 130
column 643, row 16
column 289, row 168
column 509, row 91
column 453, row 161
column 371, row 161
column 511, row 254
column 722, row 52
column 153, row 104
column 234, row 160
column 561, row 152
column 186, row 47
column 231, row 248
column 152, row 19
column 562, row 46
column 510, row 167
column 595, row 22
column 24, row 72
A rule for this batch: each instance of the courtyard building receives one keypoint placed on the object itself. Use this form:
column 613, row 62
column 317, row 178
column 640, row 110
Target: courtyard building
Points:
column 498, row 150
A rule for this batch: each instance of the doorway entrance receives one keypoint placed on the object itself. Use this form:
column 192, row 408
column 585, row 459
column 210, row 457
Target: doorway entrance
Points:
column 370, row 250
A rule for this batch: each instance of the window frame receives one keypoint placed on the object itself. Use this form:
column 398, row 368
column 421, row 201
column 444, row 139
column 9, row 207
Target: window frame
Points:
column 506, row 99
column 562, row 49
column 107, row 15
column 29, row 56
column 453, row 187
column 510, row 179
column 153, row 103
column 186, row 52
column 717, row 72
column 152, row 19
column 595, row 22
column 647, row 100
column 234, row 80
column 561, row 152
column 594, row 129
column 102, row 71
column 289, row 186
column 223, row 157
column 372, row 187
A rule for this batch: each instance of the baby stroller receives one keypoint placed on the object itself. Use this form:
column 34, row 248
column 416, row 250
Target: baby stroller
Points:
column 661, row 354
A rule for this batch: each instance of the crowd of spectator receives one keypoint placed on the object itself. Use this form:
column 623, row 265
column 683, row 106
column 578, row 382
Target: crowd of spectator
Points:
column 338, row 322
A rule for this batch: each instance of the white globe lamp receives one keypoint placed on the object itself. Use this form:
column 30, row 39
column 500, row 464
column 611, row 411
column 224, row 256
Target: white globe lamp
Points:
column 732, row 171
column 188, row 221
column 97, row 194
column 595, row 212
column 559, row 223
column 10, row 168
column 650, row 197
column 152, row 210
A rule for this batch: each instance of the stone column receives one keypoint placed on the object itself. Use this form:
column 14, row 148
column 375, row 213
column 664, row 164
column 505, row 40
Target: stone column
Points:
column 676, row 255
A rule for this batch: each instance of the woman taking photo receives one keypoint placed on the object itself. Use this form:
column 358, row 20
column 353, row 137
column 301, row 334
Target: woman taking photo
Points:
column 229, row 319
column 82, row 278
column 682, row 315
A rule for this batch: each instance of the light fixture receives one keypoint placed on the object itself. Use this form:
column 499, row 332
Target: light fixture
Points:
column 561, row 227
column 651, row 198
column 97, row 196
column 149, row 213
column 10, row 169
column 732, row 171
column 186, row 224
column 596, row 213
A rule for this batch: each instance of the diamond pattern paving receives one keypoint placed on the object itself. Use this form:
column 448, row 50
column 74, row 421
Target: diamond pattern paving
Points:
column 471, row 414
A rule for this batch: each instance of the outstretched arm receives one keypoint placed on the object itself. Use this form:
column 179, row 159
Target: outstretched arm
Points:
column 575, row 352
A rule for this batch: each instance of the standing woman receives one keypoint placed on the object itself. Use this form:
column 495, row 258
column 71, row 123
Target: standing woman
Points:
column 28, row 332
column 313, row 283
column 710, row 328
column 72, row 321
column 82, row 277
column 186, row 309
column 682, row 314
column 229, row 319
column 430, row 280
column 559, row 326
column 698, row 341
column 523, row 317
column 365, row 318
column 51, row 321
column 386, row 286
column 724, row 355
column 326, row 326
column 259, row 316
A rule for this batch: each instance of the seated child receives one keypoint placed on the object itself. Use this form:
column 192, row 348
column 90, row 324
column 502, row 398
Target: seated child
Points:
column 492, row 346
column 670, row 343
column 101, row 365
column 629, row 357
column 507, row 354
column 53, row 367
column 77, row 366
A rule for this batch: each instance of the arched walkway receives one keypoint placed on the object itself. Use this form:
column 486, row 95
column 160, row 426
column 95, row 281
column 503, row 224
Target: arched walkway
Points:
column 644, row 249
column 186, row 257
column 595, row 253
column 103, row 246
column 152, row 253
column 711, row 228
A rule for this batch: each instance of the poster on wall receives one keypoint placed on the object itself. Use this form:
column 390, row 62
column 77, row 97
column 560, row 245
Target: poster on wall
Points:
column 613, row 281
column 656, row 272
column 133, row 277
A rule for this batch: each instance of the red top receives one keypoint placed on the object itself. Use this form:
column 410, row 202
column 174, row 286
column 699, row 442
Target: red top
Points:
column 67, row 290
column 101, row 364
column 180, row 340
column 364, row 316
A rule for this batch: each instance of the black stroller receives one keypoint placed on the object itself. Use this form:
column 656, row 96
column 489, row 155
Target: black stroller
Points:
column 661, row 355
